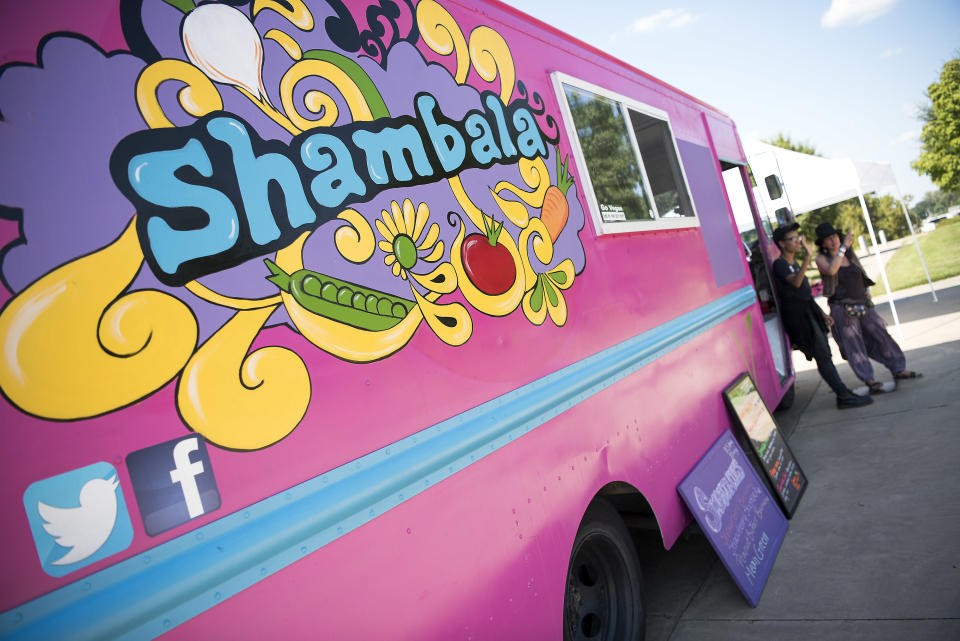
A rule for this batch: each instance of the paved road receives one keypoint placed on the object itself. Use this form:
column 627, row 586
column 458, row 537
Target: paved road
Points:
column 873, row 551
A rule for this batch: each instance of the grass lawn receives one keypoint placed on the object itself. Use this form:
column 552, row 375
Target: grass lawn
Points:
column 941, row 251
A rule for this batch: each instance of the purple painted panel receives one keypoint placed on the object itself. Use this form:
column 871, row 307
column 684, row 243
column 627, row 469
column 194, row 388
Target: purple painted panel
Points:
column 737, row 513
column 719, row 234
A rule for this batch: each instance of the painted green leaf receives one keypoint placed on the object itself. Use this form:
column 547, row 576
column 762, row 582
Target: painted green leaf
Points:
column 356, row 73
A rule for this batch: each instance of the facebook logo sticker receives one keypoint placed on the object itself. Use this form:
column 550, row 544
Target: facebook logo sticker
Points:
column 173, row 483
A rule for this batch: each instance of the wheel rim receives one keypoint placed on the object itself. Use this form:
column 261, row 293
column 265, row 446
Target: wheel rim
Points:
column 599, row 594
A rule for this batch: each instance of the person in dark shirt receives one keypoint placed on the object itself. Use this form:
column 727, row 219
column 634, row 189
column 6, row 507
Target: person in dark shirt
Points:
column 858, row 328
column 804, row 321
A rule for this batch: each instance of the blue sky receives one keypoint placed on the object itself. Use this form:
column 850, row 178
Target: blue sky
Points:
column 847, row 76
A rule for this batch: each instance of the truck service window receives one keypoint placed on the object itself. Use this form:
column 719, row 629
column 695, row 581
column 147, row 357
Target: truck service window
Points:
column 631, row 170
column 660, row 163
column 610, row 156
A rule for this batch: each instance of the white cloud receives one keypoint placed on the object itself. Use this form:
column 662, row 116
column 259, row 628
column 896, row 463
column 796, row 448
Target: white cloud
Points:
column 907, row 136
column 664, row 19
column 847, row 12
column 889, row 53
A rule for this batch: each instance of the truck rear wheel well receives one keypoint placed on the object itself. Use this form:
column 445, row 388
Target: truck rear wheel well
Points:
column 631, row 504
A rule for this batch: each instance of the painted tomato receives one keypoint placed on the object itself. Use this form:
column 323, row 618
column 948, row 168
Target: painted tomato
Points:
column 488, row 265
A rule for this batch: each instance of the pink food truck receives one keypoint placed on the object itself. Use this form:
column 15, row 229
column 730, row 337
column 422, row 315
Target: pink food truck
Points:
column 355, row 320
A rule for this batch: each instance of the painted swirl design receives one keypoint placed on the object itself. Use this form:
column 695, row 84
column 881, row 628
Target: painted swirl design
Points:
column 198, row 98
column 74, row 346
column 255, row 409
column 442, row 34
column 491, row 57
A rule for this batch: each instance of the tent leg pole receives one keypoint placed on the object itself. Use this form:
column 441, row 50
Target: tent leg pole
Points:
column 876, row 252
column 916, row 243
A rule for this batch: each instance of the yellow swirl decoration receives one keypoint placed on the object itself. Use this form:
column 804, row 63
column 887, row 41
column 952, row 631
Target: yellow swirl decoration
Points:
column 491, row 57
column 514, row 211
column 254, row 409
column 320, row 103
column 340, row 79
column 355, row 241
column 442, row 34
column 284, row 40
column 535, row 175
column 546, row 298
column 472, row 211
column 343, row 341
column 294, row 11
column 202, row 291
column 198, row 98
column 442, row 280
column 542, row 249
column 269, row 111
column 72, row 349
column 451, row 323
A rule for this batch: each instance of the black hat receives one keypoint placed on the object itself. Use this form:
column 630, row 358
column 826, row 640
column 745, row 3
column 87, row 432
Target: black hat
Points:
column 825, row 230
column 782, row 230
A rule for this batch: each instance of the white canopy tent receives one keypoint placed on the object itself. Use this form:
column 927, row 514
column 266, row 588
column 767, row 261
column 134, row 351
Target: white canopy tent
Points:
column 809, row 182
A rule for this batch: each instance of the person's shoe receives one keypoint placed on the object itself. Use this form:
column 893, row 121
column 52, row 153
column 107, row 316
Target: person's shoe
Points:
column 849, row 400
column 876, row 387
column 907, row 374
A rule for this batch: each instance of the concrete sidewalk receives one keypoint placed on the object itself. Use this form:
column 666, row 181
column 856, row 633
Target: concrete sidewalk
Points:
column 873, row 551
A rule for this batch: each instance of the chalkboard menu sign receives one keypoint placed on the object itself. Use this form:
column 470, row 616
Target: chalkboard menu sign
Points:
column 782, row 470
column 737, row 514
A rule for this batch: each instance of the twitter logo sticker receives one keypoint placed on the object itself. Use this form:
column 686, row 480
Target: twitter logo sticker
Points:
column 78, row 518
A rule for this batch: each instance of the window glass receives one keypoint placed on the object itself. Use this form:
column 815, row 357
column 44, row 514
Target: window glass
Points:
column 773, row 186
column 660, row 162
column 610, row 157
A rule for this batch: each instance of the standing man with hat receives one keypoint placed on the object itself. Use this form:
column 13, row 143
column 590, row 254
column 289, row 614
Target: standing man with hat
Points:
column 858, row 328
column 804, row 321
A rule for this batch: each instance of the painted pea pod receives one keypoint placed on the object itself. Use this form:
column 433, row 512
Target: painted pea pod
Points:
column 340, row 300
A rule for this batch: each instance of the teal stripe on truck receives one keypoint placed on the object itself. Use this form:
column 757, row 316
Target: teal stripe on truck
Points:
column 148, row 594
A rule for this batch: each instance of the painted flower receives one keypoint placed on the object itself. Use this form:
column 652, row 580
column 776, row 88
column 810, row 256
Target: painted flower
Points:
column 404, row 241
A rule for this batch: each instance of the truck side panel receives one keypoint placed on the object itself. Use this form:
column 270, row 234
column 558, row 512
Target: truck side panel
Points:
column 415, row 466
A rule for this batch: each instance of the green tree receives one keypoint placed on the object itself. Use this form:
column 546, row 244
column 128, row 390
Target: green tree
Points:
column 609, row 153
column 885, row 214
column 810, row 220
column 941, row 130
column 936, row 202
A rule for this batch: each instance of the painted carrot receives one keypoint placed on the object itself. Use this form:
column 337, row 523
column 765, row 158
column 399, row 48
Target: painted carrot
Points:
column 555, row 208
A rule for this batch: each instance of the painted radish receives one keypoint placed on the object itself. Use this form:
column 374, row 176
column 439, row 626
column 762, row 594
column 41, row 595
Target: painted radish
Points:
column 488, row 265
column 221, row 42
column 555, row 208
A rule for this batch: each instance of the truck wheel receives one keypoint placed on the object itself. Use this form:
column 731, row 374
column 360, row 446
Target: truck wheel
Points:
column 604, row 598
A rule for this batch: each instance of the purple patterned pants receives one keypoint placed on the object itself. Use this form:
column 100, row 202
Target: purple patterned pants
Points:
column 861, row 339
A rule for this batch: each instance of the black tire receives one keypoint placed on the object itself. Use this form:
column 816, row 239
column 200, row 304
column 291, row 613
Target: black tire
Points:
column 787, row 401
column 604, row 593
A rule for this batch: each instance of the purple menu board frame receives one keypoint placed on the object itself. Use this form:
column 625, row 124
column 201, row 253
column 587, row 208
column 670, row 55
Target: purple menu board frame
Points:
column 775, row 457
column 737, row 513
